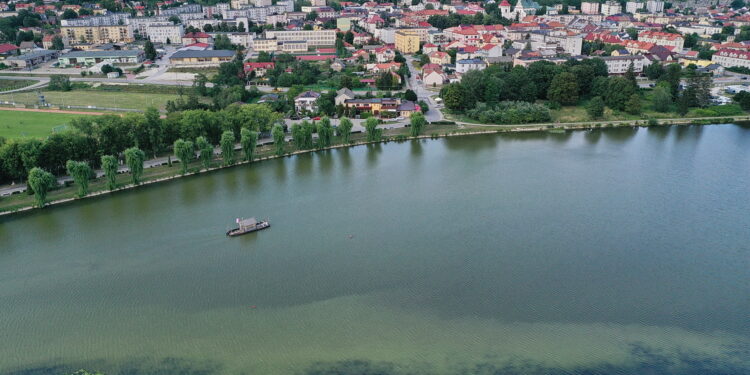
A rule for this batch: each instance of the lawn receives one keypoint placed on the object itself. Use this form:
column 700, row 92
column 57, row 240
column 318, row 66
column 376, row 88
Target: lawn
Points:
column 18, row 124
column 97, row 98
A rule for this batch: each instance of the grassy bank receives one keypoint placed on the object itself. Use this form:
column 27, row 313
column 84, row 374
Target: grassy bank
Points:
column 97, row 187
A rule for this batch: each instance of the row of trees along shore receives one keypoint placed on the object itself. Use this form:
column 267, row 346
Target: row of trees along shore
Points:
column 106, row 139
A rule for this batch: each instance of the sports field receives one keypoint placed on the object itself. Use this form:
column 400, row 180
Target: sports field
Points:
column 24, row 124
column 95, row 98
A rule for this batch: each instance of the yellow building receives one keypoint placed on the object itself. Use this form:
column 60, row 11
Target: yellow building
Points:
column 200, row 59
column 407, row 41
column 98, row 34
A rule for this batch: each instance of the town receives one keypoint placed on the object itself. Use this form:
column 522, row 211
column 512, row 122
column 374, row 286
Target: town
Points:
column 191, row 70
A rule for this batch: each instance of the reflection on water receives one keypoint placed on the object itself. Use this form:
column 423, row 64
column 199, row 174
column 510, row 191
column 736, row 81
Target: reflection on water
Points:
column 578, row 253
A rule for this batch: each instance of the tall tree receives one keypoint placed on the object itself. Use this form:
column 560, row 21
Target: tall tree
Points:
column 278, row 139
column 325, row 133
column 633, row 105
column 206, row 151
column 345, row 129
column 149, row 51
column 154, row 129
column 563, row 89
column 227, row 147
column 371, row 129
column 417, row 122
column 134, row 158
column 40, row 182
column 595, row 108
column 183, row 150
column 80, row 171
column 298, row 136
column 109, row 164
column 662, row 98
column 248, row 141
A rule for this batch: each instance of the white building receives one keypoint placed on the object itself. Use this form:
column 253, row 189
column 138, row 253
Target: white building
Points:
column 312, row 37
column 589, row 7
column 611, row 8
column 165, row 32
column 620, row 64
column 633, row 6
column 655, row 6
column 727, row 57
column 463, row 66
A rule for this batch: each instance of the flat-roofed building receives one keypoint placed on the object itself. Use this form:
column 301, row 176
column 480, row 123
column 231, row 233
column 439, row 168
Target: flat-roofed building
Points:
column 165, row 32
column 201, row 59
column 98, row 34
column 407, row 41
column 95, row 57
column 313, row 38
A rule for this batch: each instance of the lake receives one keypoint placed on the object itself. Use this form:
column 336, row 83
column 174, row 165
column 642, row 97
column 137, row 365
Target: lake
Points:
column 616, row 251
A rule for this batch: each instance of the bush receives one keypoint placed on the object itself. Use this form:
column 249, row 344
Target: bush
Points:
column 652, row 122
column 510, row 112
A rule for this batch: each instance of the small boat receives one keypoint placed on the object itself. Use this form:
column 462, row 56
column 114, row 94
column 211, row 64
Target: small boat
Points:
column 247, row 226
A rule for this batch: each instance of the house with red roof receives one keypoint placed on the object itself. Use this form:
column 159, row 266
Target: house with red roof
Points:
column 197, row 37
column 385, row 54
column 260, row 68
column 7, row 49
column 439, row 58
column 727, row 57
column 662, row 38
column 429, row 48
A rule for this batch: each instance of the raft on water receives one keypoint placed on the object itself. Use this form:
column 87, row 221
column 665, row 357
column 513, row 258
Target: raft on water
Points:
column 247, row 226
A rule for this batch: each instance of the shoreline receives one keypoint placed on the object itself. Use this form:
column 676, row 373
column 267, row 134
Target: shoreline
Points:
column 492, row 129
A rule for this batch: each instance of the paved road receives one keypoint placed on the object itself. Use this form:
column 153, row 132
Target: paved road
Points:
column 433, row 114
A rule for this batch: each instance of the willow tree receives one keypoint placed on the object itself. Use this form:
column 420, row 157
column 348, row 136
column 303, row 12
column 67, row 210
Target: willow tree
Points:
column 134, row 158
column 248, row 141
column 308, row 129
column 109, row 164
column 40, row 182
column 183, row 150
column 371, row 129
column 206, row 151
column 278, row 139
column 345, row 129
column 80, row 171
column 418, row 123
column 298, row 136
column 227, row 147
column 325, row 133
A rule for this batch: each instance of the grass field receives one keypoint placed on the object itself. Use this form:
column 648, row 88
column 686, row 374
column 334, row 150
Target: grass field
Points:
column 96, row 98
column 16, row 124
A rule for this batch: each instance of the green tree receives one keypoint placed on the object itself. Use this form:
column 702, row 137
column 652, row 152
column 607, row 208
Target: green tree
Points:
column 662, row 99
column 418, row 123
column 206, row 151
column 183, row 150
column 619, row 92
column 654, row 71
column 325, row 133
column 109, row 164
column 633, row 105
column 59, row 83
column 248, row 141
column 57, row 43
column 149, row 51
column 564, row 89
column 134, row 158
column 455, row 97
column 410, row 95
column 371, row 130
column 345, row 129
column 672, row 76
column 595, row 108
column 743, row 99
column 278, row 139
column 227, row 147
column 298, row 136
column 40, row 181
column 683, row 103
column 80, row 172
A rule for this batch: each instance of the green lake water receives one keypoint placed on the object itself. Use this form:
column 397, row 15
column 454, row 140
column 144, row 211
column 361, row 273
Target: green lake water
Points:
column 620, row 251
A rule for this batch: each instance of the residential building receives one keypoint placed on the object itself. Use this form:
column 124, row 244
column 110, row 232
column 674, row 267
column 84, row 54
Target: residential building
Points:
column 463, row 66
column 633, row 6
column 165, row 32
column 7, row 50
column 407, row 41
column 621, row 64
column 384, row 107
column 610, row 8
column 439, row 58
column 98, row 34
column 306, row 102
column 589, row 7
column 655, row 6
column 343, row 95
column 94, row 57
column 201, row 59
column 313, row 38
column 260, row 68
column 662, row 39
column 731, row 57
